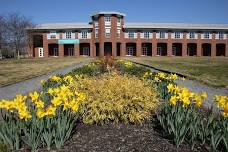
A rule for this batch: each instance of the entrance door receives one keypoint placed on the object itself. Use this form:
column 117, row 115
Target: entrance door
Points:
column 108, row 49
column 70, row 51
column 130, row 51
column 85, row 51
column 41, row 52
column 55, row 52
column 144, row 51
column 159, row 50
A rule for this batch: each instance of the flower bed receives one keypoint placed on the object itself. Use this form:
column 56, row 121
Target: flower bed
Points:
column 110, row 91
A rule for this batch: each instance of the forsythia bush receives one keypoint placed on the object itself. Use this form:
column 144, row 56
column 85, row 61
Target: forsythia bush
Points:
column 117, row 98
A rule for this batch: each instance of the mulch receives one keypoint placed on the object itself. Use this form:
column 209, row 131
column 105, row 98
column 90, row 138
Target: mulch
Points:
column 121, row 138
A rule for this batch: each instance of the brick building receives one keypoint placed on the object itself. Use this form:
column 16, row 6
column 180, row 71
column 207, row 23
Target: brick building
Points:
column 107, row 34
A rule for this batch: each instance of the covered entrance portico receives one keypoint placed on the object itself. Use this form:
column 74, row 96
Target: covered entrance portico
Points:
column 108, row 49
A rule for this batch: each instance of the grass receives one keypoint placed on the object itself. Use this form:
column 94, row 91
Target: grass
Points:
column 211, row 71
column 14, row 70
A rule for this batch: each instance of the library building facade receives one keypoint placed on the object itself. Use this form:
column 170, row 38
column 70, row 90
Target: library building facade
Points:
column 108, row 35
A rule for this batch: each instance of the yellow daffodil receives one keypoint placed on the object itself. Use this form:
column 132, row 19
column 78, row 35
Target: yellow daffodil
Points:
column 204, row 95
column 225, row 110
column 55, row 78
column 39, row 104
column 56, row 101
column 34, row 96
column 50, row 111
column 40, row 113
column 173, row 100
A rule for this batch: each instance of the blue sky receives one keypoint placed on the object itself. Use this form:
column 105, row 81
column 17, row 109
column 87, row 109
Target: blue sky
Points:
column 177, row 11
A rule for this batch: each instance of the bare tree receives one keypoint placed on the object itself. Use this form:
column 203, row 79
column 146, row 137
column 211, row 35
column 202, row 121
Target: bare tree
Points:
column 16, row 26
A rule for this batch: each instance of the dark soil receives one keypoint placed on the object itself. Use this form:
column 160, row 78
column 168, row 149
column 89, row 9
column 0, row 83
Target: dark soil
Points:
column 121, row 137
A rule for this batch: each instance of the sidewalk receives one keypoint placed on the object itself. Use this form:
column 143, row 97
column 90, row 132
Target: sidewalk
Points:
column 24, row 87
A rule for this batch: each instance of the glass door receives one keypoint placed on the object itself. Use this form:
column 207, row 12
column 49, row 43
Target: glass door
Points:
column 130, row 51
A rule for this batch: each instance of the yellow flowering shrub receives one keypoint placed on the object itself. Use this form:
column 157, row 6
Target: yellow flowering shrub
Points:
column 117, row 98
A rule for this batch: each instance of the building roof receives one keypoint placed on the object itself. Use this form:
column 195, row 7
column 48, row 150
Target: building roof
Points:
column 108, row 13
column 63, row 26
column 176, row 26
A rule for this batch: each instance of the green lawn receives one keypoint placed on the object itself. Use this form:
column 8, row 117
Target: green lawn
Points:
column 212, row 71
column 14, row 70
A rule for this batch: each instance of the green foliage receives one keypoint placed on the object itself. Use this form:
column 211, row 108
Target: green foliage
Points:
column 129, row 68
column 3, row 147
column 117, row 98
column 194, row 126
column 63, row 132
column 91, row 69
column 32, row 133
column 10, row 132
column 175, row 120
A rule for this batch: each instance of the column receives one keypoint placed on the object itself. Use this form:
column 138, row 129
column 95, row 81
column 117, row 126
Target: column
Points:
column 123, row 49
column 169, row 45
column 61, row 50
column 91, row 49
column 114, row 49
column 138, row 48
column 184, row 45
column 45, row 45
column 154, row 45
column 101, row 53
column 199, row 45
column 138, row 45
column 76, row 50
column 213, row 46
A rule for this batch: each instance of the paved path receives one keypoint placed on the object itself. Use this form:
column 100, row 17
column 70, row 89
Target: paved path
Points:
column 198, row 87
column 24, row 87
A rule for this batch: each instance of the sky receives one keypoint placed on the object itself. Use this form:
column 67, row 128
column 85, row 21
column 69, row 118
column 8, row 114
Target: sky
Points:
column 164, row 11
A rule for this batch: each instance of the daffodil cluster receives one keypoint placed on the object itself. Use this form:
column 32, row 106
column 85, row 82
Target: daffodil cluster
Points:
column 185, row 96
column 125, row 63
column 160, row 76
column 222, row 104
column 17, row 105
column 65, row 97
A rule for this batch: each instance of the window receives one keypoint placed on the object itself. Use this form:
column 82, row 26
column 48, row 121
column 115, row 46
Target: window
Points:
column 159, row 50
column 96, row 33
column 177, row 35
column 146, row 35
column 107, row 19
column 130, row 51
column 84, row 34
column 68, row 34
column 118, row 20
column 53, row 35
column 144, row 51
column 162, row 35
column 107, row 32
column 192, row 35
column 131, row 34
column 221, row 35
column 96, row 23
column 206, row 35
column 118, row 33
